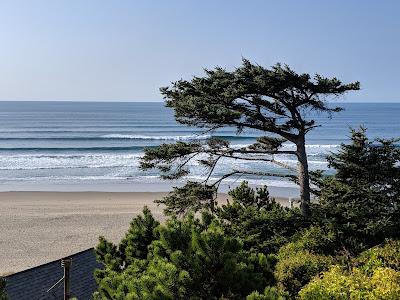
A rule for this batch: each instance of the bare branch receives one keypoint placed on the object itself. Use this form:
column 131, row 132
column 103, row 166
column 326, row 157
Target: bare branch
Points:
column 274, row 161
column 180, row 166
column 212, row 169
column 245, row 151
column 244, row 172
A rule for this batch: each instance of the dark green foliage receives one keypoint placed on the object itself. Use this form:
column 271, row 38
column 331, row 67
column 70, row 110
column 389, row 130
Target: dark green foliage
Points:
column 215, row 99
column 259, row 221
column 187, row 259
column 267, row 143
column 164, row 157
column 369, row 161
column 190, row 198
column 3, row 295
column 361, row 203
column 275, row 102
column 270, row 293
column 246, row 196
column 133, row 246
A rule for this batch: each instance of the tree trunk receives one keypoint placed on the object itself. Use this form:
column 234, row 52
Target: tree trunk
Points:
column 304, row 178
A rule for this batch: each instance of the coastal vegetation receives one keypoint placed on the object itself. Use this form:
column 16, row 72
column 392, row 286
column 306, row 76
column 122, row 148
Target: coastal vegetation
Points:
column 3, row 295
column 343, row 245
column 254, row 248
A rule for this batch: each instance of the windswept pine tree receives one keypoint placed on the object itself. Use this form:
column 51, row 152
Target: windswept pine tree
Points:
column 275, row 102
column 362, row 200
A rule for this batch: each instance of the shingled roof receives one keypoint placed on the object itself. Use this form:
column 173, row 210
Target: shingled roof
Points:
column 32, row 284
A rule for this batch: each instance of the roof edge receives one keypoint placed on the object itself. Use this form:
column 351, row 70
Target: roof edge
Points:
column 48, row 263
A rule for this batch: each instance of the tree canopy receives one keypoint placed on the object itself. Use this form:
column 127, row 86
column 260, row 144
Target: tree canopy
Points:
column 362, row 200
column 278, row 103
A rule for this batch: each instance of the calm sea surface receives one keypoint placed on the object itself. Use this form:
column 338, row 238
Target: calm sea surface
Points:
column 96, row 146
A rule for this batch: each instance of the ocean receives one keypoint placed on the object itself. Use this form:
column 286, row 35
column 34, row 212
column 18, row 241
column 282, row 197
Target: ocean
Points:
column 96, row 146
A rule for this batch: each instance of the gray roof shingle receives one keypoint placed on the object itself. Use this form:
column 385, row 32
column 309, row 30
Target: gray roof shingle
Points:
column 32, row 284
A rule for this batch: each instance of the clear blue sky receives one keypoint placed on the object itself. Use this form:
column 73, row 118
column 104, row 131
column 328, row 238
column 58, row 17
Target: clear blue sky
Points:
column 125, row 50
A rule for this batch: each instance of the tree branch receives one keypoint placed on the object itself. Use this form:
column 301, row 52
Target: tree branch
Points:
column 212, row 169
column 235, row 172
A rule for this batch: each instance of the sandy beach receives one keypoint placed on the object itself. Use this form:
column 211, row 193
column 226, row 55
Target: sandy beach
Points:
column 38, row 227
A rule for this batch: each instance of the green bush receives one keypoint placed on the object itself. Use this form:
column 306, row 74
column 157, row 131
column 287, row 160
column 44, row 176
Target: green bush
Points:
column 133, row 246
column 3, row 295
column 300, row 260
column 262, row 224
column 270, row 293
column 387, row 255
column 294, row 271
column 315, row 239
column 339, row 284
column 157, row 279
column 375, row 275
column 186, row 259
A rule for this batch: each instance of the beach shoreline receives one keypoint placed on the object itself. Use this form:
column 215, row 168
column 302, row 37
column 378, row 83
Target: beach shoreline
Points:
column 38, row 227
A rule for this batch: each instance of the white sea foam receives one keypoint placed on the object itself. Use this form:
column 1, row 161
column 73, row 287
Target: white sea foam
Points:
column 162, row 137
column 38, row 162
column 258, row 182
column 125, row 160
column 310, row 162
column 293, row 146
column 71, row 179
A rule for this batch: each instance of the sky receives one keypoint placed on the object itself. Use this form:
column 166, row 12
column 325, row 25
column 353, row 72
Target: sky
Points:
column 126, row 50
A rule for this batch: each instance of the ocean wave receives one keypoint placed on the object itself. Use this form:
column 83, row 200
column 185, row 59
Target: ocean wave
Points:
column 258, row 182
column 294, row 162
column 190, row 137
column 323, row 146
column 70, row 156
column 311, row 146
column 179, row 137
column 151, row 137
column 65, row 167
column 118, row 160
column 315, row 150
column 66, row 179
column 71, row 149
column 54, row 162
column 93, row 179
column 293, row 146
